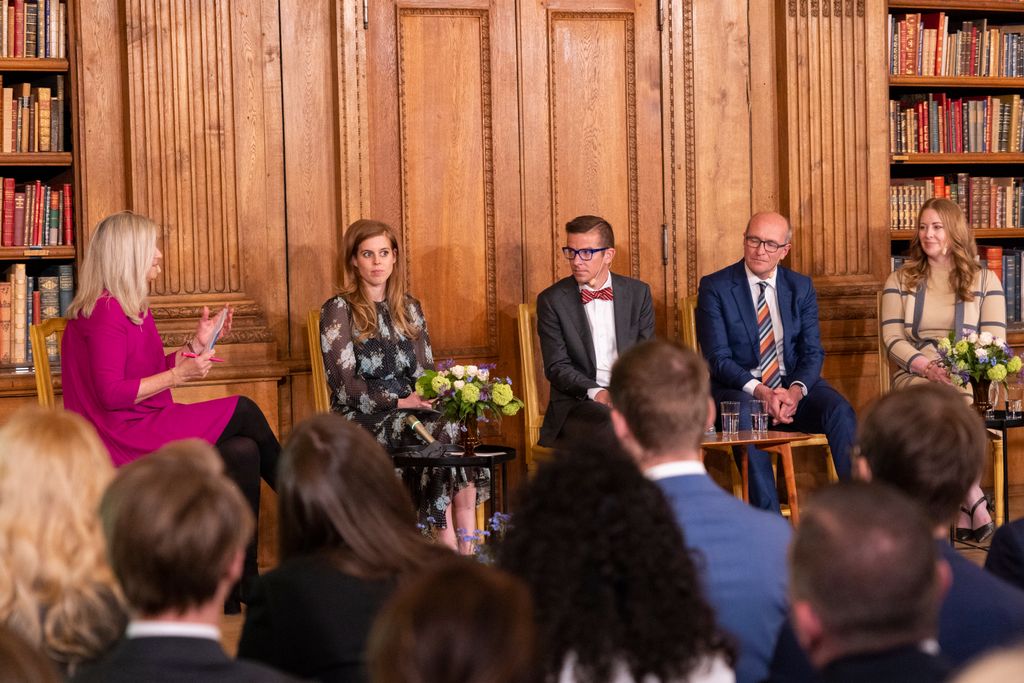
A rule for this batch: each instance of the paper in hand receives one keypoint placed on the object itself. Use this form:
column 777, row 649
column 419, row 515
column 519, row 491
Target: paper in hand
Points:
column 218, row 325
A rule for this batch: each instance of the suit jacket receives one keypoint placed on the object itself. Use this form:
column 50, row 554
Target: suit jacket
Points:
column 741, row 552
column 980, row 612
column 1006, row 554
column 568, row 347
column 727, row 327
column 901, row 665
column 173, row 660
column 309, row 618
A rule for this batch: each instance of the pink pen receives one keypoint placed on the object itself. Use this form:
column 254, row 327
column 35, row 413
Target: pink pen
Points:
column 212, row 358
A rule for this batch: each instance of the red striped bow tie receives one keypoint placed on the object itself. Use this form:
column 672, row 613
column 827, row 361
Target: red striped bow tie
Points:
column 588, row 295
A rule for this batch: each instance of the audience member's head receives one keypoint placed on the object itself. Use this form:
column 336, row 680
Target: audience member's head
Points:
column 176, row 530
column 927, row 442
column 56, row 588
column 661, row 400
column 865, row 575
column 612, row 582
column 459, row 622
column 338, row 495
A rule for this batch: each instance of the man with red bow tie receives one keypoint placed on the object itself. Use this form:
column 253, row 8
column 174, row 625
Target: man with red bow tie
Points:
column 584, row 322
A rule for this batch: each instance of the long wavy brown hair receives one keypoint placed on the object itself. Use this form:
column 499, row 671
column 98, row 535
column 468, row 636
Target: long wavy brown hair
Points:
column 364, row 312
column 964, row 250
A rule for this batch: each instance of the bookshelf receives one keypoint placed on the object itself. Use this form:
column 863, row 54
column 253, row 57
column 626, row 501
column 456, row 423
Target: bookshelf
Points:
column 38, row 241
column 956, row 85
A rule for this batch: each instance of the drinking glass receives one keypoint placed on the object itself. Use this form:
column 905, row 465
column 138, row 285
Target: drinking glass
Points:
column 759, row 416
column 730, row 411
column 1014, row 396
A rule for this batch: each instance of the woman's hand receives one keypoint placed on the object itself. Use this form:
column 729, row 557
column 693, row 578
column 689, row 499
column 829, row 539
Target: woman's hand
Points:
column 414, row 402
column 188, row 369
column 932, row 371
column 207, row 326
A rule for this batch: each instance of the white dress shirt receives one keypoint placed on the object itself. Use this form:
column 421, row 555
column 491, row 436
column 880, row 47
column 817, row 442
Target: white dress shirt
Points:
column 773, row 308
column 676, row 468
column 171, row 629
column 601, row 318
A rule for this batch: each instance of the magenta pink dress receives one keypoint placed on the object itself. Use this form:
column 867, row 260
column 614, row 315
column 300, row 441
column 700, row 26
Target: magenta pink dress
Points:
column 103, row 359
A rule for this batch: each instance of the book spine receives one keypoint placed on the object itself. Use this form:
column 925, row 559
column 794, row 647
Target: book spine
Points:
column 49, row 307
column 19, row 219
column 19, row 29
column 18, row 315
column 30, row 317
column 66, row 287
column 5, row 322
column 69, row 230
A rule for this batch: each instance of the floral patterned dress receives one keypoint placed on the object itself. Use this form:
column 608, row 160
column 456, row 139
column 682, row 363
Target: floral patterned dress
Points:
column 366, row 378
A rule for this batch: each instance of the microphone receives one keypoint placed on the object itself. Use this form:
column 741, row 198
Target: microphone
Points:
column 418, row 427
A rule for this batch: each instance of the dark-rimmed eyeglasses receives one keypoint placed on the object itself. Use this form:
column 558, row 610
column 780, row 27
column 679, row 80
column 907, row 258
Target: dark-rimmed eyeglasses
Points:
column 584, row 254
column 755, row 243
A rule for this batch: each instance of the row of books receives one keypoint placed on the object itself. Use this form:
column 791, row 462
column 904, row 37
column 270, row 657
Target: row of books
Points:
column 32, row 117
column 27, row 300
column 938, row 123
column 33, row 28
column 38, row 215
column 987, row 202
column 1006, row 264
column 921, row 45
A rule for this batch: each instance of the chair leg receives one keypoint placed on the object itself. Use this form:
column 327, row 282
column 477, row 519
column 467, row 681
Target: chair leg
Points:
column 997, row 481
column 833, row 476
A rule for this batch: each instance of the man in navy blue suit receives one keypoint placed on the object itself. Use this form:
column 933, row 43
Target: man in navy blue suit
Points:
column 660, row 406
column 757, row 323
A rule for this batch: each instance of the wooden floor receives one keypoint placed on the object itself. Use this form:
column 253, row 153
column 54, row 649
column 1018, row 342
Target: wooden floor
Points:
column 231, row 626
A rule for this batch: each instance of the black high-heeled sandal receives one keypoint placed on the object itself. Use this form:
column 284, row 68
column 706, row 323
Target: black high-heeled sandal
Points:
column 979, row 534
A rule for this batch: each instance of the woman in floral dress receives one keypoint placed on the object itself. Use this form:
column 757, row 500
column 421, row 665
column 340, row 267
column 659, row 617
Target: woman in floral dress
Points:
column 375, row 344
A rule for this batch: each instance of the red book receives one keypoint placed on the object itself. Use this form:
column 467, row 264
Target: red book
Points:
column 19, row 219
column 69, row 234
column 37, row 306
column 37, row 214
column 19, row 28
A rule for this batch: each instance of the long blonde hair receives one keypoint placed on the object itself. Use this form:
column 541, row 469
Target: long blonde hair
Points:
column 964, row 251
column 364, row 312
column 56, row 588
column 119, row 255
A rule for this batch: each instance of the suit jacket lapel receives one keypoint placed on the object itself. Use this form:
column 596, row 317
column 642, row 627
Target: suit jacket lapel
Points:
column 574, row 307
column 622, row 305
column 745, row 304
column 784, row 298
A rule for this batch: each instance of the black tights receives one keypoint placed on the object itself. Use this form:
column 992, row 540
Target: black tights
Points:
column 250, row 451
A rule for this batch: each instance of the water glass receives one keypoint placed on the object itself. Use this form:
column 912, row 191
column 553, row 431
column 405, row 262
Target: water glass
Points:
column 759, row 416
column 1014, row 394
column 730, row 411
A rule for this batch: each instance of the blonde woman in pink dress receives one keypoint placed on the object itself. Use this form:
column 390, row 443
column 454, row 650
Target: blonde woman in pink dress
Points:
column 115, row 372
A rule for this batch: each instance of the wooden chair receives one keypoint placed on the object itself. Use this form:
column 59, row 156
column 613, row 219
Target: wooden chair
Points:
column 535, row 386
column 995, row 437
column 41, row 359
column 318, row 377
column 688, row 318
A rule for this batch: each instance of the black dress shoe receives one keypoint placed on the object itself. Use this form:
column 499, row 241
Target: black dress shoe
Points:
column 983, row 532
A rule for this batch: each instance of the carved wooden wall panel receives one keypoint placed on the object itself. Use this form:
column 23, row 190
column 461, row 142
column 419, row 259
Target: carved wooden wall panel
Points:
column 832, row 104
column 591, row 97
column 447, row 174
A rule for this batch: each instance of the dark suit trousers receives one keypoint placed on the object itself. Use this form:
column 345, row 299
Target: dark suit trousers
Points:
column 822, row 410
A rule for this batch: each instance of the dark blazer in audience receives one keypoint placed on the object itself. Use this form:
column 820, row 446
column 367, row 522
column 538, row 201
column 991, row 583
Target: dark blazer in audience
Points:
column 981, row 612
column 173, row 660
column 1006, row 555
column 742, row 555
column 902, row 665
column 309, row 618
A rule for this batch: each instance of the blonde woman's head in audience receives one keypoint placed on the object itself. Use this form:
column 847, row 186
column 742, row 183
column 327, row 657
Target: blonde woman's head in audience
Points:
column 56, row 588
column 176, row 529
column 459, row 622
column 122, row 258
column 338, row 495
column 20, row 662
column 925, row 441
column 661, row 399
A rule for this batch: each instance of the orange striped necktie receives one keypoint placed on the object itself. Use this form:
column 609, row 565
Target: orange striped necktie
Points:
column 770, row 374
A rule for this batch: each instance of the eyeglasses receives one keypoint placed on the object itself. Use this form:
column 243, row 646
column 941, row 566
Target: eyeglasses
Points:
column 769, row 246
column 584, row 254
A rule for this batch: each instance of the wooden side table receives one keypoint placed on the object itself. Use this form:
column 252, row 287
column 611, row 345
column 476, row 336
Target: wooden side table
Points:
column 487, row 456
column 771, row 442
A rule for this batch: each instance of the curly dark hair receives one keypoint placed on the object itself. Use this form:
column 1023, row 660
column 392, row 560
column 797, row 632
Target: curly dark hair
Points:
column 611, row 578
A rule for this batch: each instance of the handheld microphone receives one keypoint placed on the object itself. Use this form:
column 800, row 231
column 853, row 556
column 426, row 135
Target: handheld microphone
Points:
column 418, row 427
